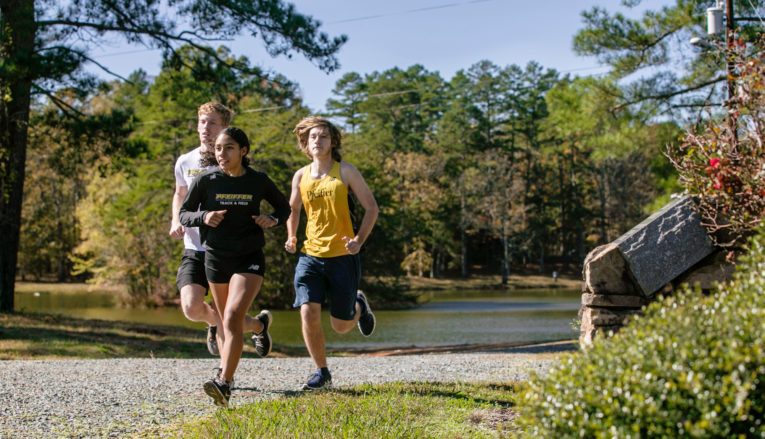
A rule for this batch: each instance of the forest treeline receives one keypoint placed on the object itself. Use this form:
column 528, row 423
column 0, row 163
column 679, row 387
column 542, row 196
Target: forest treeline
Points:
column 501, row 168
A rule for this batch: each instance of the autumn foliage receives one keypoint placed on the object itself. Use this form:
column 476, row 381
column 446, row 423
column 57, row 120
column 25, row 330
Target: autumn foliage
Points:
column 722, row 162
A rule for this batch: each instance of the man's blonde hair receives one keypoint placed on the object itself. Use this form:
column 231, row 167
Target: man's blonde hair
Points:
column 306, row 125
column 225, row 113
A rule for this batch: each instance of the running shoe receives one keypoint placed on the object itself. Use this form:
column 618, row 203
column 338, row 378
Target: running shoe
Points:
column 212, row 341
column 217, row 371
column 262, row 341
column 367, row 319
column 318, row 381
column 219, row 391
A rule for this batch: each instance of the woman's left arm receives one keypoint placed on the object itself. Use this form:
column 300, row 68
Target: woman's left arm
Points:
column 279, row 202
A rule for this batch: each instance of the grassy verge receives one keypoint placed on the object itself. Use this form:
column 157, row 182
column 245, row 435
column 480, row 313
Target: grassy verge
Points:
column 30, row 336
column 391, row 410
column 66, row 288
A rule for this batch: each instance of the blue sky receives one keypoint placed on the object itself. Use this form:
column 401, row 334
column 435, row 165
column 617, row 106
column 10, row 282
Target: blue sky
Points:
column 442, row 35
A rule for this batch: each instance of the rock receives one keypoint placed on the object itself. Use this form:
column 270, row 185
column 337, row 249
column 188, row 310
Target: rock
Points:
column 713, row 269
column 587, row 336
column 664, row 245
column 605, row 272
column 605, row 317
column 613, row 301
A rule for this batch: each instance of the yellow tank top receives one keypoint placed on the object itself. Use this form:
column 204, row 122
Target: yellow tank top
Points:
column 326, row 206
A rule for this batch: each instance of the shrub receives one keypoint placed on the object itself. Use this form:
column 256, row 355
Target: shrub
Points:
column 722, row 163
column 693, row 365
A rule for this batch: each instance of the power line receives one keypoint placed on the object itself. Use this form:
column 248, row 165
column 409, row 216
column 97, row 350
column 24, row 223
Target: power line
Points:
column 408, row 11
column 347, row 20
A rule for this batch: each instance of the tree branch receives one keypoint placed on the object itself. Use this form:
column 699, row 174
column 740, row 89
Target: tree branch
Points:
column 662, row 96
column 68, row 110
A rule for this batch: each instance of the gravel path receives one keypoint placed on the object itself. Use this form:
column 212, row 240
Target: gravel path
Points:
column 115, row 398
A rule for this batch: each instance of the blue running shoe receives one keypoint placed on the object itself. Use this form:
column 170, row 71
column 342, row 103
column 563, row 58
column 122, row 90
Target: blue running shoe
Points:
column 318, row 381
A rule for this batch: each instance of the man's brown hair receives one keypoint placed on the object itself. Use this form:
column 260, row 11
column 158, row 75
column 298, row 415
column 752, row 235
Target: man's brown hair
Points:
column 226, row 114
column 304, row 127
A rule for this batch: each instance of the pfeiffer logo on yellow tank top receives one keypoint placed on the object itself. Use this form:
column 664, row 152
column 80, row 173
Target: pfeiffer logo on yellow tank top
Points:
column 320, row 193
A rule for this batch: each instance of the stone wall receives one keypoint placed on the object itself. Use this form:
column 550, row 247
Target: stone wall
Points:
column 668, row 248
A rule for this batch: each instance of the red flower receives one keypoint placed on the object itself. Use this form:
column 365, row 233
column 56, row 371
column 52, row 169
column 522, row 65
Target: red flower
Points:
column 714, row 163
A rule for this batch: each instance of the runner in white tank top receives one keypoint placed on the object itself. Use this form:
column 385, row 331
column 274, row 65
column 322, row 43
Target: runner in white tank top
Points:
column 190, row 279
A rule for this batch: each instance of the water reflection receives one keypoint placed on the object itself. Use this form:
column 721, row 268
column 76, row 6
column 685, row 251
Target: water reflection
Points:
column 456, row 317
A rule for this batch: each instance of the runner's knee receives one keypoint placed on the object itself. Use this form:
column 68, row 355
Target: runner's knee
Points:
column 233, row 320
column 193, row 309
column 310, row 314
column 341, row 326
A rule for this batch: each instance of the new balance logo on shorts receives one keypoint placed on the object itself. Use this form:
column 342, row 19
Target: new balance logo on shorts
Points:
column 254, row 267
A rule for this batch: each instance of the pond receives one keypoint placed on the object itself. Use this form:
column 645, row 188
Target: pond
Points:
column 449, row 318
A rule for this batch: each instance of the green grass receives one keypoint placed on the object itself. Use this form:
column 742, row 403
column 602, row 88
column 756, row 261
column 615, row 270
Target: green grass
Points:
column 35, row 336
column 66, row 288
column 27, row 336
column 394, row 410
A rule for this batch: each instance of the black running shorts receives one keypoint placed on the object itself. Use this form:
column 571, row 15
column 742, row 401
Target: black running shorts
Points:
column 191, row 270
column 219, row 269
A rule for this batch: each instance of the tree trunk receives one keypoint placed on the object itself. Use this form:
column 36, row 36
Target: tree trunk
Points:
column 463, row 258
column 17, row 33
column 603, row 205
column 433, row 261
column 541, row 257
column 505, row 259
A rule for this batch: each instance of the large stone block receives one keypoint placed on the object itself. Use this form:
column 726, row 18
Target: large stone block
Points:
column 605, row 272
column 605, row 317
column 587, row 335
column 613, row 301
column 664, row 245
column 712, row 270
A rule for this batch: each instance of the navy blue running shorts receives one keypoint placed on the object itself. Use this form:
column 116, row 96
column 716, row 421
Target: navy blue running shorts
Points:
column 191, row 270
column 328, row 279
column 219, row 269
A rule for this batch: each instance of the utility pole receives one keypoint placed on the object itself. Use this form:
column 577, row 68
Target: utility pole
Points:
column 730, row 33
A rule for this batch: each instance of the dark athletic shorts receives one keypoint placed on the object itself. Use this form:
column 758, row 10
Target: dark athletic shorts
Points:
column 191, row 270
column 219, row 269
column 334, row 279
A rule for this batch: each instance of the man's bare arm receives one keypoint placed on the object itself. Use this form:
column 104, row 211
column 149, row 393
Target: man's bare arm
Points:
column 296, row 204
column 176, row 229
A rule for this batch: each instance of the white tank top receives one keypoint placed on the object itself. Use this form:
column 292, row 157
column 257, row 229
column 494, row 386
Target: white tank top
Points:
column 186, row 168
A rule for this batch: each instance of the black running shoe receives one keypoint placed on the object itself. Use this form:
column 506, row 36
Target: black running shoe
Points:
column 262, row 341
column 318, row 381
column 212, row 341
column 219, row 391
column 217, row 371
column 367, row 318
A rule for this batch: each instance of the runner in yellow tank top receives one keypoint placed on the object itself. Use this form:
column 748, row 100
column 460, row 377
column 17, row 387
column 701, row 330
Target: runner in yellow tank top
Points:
column 329, row 220
column 328, row 265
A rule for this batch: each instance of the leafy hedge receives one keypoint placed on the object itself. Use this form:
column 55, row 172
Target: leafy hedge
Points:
column 691, row 366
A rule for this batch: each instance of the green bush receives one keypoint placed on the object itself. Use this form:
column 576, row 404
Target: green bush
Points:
column 692, row 366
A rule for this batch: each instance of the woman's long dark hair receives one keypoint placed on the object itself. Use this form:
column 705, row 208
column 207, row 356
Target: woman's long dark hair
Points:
column 241, row 139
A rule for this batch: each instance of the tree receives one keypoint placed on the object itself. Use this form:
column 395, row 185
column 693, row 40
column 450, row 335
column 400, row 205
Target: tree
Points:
column 66, row 151
column 44, row 45
column 350, row 91
column 124, row 229
column 655, row 49
column 602, row 157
